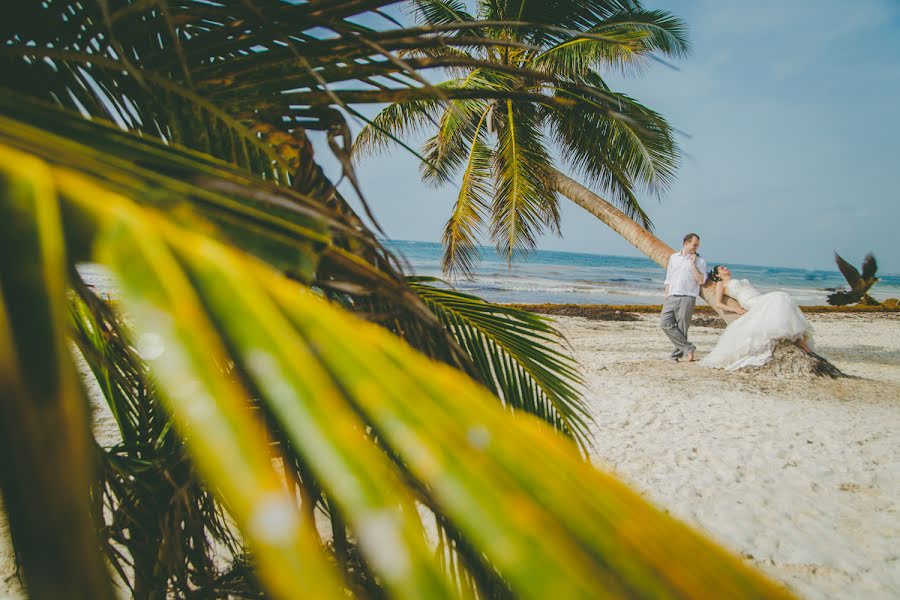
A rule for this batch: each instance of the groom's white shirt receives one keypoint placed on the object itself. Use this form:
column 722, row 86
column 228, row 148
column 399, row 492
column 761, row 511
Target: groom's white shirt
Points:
column 679, row 278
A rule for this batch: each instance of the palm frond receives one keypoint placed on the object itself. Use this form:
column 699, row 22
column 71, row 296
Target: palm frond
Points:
column 568, row 14
column 196, row 304
column 663, row 32
column 574, row 58
column 304, row 224
column 212, row 413
column 522, row 200
column 448, row 150
column 308, row 240
column 518, row 355
column 45, row 460
column 190, row 119
column 292, row 223
column 627, row 41
column 394, row 121
column 159, row 518
column 624, row 151
column 314, row 416
column 442, row 11
column 212, row 78
column 461, row 232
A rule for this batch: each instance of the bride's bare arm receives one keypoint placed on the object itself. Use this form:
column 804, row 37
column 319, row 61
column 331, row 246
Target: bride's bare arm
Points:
column 720, row 294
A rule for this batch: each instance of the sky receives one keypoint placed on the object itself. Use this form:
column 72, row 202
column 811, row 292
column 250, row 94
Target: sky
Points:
column 790, row 113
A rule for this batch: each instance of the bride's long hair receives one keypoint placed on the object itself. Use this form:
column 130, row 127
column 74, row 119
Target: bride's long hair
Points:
column 714, row 273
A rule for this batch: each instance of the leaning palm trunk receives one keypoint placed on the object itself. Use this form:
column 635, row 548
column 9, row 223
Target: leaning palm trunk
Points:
column 654, row 248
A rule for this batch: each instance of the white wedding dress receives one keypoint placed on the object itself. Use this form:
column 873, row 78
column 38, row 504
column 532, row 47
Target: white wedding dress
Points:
column 750, row 339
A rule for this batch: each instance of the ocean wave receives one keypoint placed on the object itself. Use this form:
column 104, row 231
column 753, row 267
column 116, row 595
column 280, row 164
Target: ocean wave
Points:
column 537, row 285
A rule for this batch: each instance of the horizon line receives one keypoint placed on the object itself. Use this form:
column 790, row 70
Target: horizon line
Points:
column 644, row 257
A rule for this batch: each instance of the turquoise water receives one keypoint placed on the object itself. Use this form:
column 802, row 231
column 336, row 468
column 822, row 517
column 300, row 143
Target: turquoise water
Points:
column 572, row 277
column 562, row 277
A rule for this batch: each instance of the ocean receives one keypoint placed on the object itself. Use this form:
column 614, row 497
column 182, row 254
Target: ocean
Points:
column 574, row 277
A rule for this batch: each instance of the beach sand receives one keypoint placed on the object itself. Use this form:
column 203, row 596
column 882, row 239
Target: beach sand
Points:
column 799, row 476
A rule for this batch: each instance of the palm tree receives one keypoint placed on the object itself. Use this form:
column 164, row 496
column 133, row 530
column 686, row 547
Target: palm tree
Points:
column 503, row 147
column 269, row 367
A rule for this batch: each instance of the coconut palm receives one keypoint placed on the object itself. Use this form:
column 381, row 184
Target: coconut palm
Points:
column 270, row 370
column 503, row 147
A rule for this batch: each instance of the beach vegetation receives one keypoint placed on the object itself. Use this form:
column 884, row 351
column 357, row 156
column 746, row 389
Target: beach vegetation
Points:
column 292, row 416
column 505, row 153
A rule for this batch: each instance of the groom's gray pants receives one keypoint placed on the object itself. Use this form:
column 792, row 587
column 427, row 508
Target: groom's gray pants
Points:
column 675, row 321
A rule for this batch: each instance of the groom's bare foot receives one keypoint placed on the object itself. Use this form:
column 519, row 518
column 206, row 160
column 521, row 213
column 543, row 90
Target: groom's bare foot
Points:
column 689, row 357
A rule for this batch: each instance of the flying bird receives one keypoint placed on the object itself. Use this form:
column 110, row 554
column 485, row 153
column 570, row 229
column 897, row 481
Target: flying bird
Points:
column 859, row 284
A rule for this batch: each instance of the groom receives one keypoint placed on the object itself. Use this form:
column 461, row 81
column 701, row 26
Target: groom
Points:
column 685, row 274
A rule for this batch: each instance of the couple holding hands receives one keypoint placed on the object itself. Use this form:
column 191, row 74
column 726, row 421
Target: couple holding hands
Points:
column 764, row 320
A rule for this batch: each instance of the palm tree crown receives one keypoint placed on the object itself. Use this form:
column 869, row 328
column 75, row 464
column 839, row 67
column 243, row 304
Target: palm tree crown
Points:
column 540, row 85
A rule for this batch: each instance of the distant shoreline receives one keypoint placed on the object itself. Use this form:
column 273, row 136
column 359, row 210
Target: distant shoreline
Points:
column 488, row 251
column 603, row 310
column 580, row 278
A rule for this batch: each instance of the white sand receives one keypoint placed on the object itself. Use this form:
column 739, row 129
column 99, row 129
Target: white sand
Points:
column 801, row 477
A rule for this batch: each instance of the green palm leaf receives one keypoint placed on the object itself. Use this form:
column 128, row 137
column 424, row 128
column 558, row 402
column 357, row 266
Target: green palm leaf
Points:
column 216, row 79
column 462, row 229
column 630, row 41
column 161, row 517
column 577, row 15
column 442, row 11
column 192, row 120
column 517, row 354
column 213, row 413
column 550, row 524
column 394, row 120
column 523, row 204
column 634, row 141
column 45, row 463
column 310, row 241
column 450, row 148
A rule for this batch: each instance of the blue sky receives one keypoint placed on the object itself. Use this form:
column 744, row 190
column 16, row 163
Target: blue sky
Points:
column 791, row 112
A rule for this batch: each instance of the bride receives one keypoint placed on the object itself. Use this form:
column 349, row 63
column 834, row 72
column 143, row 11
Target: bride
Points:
column 765, row 320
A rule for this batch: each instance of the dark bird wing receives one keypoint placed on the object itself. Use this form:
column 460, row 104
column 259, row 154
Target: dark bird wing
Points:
column 849, row 271
column 843, row 298
column 869, row 267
